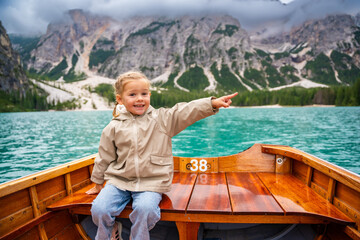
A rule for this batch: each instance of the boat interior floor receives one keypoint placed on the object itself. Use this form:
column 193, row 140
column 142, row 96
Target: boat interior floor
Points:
column 165, row 230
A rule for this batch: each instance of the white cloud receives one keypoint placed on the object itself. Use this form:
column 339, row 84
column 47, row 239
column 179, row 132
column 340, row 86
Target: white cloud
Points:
column 286, row 1
column 33, row 16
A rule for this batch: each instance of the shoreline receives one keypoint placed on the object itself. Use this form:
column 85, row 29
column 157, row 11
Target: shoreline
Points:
column 231, row 107
column 81, row 91
column 262, row 106
column 281, row 106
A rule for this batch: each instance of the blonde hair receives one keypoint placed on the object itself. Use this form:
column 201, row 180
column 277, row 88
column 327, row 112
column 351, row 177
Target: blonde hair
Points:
column 122, row 80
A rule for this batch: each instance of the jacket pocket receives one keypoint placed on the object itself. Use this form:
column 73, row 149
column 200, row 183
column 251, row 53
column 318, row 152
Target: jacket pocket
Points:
column 162, row 161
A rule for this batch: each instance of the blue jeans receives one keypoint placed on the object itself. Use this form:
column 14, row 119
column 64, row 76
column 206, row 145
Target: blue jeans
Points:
column 111, row 201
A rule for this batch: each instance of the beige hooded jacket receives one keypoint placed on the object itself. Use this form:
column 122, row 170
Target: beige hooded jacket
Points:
column 135, row 152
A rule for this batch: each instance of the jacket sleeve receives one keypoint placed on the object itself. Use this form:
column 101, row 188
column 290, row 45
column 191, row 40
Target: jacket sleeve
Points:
column 107, row 154
column 182, row 115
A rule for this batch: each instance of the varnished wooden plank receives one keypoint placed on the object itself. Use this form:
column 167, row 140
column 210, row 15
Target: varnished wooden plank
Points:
column 37, row 212
column 176, row 163
column 15, row 220
column 300, row 170
column 79, row 175
column 352, row 232
column 32, row 234
column 331, row 190
column 76, row 199
column 91, row 167
column 57, row 223
column 348, row 195
column 68, row 185
column 223, row 218
column 181, row 188
column 248, row 195
column 348, row 178
column 348, row 210
column 210, row 194
column 42, row 232
column 68, row 233
column 282, row 164
column 14, row 202
column 50, row 187
column 309, row 175
column 188, row 230
column 81, row 185
column 33, row 179
column 319, row 190
column 320, row 179
column 50, row 200
column 297, row 198
column 250, row 160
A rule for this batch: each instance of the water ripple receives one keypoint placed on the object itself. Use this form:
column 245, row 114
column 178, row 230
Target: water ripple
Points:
column 31, row 142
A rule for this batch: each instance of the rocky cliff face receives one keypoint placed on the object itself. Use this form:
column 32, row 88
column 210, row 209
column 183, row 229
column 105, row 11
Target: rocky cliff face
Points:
column 63, row 40
column 12, row 76
column 215, row 48
column 321, row 34
column 167, row 45
column 324, row 50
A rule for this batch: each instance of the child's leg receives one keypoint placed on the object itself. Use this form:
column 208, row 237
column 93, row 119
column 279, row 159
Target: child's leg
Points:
column 109, row 203
column 145, row 214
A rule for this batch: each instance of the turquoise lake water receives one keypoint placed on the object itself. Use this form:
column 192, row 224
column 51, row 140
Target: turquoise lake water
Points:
column 30, row 142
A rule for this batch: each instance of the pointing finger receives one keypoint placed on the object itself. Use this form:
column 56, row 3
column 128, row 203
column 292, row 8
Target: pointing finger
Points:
column 231, row 96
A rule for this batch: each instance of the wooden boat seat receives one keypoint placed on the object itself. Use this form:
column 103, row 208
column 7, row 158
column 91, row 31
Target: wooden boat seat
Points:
column 231, row 197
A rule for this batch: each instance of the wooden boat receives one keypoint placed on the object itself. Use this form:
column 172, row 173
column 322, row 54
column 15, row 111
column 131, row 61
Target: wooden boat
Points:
column 266, row 185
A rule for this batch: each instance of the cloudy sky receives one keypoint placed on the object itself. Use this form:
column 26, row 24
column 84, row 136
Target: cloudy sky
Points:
column 33, row 16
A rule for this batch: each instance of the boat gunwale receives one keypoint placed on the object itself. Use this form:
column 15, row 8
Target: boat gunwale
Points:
column 15, row 185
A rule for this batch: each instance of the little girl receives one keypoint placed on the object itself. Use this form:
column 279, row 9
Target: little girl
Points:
column 135, row 155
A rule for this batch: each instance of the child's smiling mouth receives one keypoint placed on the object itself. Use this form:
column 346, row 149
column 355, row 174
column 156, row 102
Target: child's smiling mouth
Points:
column 139, row 105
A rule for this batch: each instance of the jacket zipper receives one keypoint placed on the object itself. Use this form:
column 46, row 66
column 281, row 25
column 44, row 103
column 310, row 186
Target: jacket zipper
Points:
column 136, row 156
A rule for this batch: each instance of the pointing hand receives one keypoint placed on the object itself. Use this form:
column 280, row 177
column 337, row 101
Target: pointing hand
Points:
column 224, row 101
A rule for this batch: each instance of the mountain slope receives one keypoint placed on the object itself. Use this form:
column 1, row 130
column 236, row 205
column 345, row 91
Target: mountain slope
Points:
column 12, row 75
column 200, row 53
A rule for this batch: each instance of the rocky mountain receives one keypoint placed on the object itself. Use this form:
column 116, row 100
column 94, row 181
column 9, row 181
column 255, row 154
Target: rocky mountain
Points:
column 12, row 75
column 199, row 53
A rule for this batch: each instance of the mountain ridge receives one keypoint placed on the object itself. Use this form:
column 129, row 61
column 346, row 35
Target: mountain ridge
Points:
column 206, row 53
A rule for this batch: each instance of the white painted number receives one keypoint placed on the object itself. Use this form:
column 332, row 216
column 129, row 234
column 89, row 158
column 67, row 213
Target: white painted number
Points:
column 195, row 165
column 203, row 165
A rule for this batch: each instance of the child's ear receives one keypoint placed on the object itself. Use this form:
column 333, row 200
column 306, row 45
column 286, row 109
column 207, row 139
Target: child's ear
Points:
column 118, row 99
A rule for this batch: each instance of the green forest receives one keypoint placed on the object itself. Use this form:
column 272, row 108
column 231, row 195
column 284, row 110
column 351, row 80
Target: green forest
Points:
column 35, row 100
column 296, row 96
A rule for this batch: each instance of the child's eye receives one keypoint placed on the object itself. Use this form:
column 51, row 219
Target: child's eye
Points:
column 132, row 94
column 145, row 94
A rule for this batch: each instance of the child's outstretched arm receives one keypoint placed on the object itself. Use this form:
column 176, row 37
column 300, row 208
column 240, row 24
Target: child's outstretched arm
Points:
column 224, row 101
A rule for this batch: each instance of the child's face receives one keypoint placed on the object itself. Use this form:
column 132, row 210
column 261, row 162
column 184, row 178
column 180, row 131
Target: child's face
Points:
column 135, row 97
